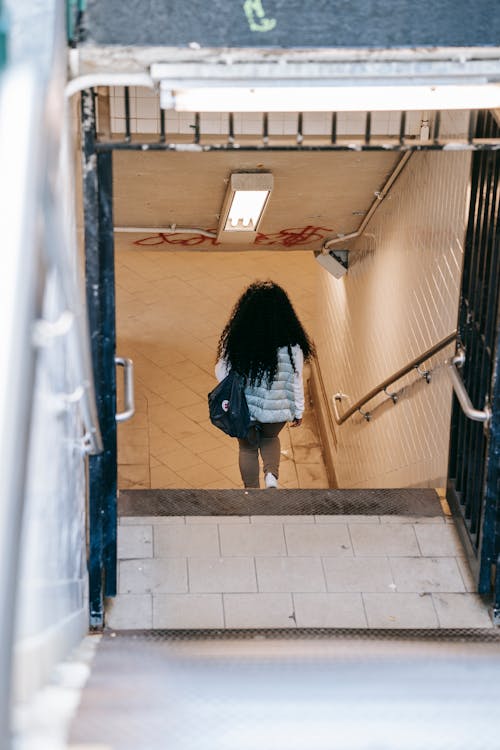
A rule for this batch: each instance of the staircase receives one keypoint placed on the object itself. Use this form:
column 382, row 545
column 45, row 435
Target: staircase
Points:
column 243, row 559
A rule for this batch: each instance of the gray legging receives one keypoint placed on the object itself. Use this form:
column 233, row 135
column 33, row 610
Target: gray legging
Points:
column 267, row 441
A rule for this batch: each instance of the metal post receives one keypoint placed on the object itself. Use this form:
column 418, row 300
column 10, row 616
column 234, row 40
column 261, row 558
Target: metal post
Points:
column 99, row 266
column 491, row 523
column 107, row 376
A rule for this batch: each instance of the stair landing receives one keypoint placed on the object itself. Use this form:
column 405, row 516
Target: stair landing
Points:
column 351, row 559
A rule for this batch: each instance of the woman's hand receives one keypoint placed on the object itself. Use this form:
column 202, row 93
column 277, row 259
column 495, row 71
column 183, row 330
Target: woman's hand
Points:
column 296, row 422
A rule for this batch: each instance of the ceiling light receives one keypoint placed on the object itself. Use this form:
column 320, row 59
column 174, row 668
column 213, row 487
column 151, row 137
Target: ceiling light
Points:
column 329, row 98
column 244, row 204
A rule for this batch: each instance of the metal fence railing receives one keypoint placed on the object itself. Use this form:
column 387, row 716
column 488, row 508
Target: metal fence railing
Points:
column 38, row 239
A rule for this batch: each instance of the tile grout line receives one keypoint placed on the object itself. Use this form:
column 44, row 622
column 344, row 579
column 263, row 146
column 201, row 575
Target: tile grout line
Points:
column 294, row 608
column 322, row 561
column 348, row 526
column 416, row 538
column 223, row 604
column 364, row 609
column 187, row 576
column 435, row 610
column 284, row 537
column 461, row 573
column 219, row 540
column 254, row 558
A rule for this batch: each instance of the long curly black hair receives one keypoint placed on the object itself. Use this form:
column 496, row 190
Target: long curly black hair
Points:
column 262, row 321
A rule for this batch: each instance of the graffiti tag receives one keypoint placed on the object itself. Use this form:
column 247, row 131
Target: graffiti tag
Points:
column 256, row 16
column 292, row 237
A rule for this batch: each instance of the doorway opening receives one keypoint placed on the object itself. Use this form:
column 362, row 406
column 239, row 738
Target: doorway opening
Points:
column 171, row 308
column 399, row 299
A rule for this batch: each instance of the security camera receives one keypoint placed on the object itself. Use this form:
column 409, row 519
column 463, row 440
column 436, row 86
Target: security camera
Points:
column 334, row 261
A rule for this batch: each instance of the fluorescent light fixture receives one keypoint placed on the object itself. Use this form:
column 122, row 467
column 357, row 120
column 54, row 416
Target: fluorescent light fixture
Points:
column 244, row 204
column 330, row 98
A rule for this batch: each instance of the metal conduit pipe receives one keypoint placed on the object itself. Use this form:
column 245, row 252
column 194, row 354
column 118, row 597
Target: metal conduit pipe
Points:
column 92, row 80
column 172, row 229
column 373, row 208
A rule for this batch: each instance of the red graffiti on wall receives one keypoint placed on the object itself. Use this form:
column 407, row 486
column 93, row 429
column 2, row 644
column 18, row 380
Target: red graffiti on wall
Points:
column 293, row 237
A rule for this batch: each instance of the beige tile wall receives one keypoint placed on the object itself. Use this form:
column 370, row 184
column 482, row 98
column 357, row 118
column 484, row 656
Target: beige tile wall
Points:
column 398, row 299
column 171, row 308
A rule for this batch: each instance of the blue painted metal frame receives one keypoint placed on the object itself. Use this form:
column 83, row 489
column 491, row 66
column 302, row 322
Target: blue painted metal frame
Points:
column 100, row 281
column 474, row 467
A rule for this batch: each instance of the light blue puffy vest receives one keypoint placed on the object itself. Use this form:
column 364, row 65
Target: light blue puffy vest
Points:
column 275, row 404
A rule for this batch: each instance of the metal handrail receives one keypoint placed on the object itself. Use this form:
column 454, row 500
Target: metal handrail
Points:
column 65, row 233
column 463, row 397
column 27, row 144
column 20, row 152
column 414, row 364
column 128, row 387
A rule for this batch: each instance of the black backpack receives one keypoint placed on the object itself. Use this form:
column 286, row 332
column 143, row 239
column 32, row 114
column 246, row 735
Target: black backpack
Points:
column 228, row 406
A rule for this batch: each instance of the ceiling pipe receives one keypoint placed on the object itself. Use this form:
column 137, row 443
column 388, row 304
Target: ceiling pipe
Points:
column 172, row 229
column 379, row 197
column 92, row 80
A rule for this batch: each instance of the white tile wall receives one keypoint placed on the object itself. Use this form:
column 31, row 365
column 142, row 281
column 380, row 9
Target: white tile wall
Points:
column 145, row 118
column 398, row 299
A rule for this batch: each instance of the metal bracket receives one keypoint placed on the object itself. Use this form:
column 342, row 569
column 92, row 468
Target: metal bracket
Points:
column 74, row 397
column 393, row 396
column 426, row 374
column 90, row 443
column 61, row 401
column 365, row 414
column 45, row 331
column 338, row 397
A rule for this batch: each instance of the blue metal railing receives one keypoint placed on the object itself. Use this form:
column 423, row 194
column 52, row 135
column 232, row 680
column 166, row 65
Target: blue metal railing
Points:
column 74, row 13
column 474, row 471
column 4, row 26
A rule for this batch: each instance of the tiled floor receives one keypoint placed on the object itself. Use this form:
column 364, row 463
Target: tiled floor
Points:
column 171, row 308
column 293, row 571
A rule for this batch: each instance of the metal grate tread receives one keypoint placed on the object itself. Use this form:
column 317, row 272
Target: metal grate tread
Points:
column 180, row 502
column 450, row 635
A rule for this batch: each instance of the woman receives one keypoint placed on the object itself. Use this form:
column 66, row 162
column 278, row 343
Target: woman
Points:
column 265, row 342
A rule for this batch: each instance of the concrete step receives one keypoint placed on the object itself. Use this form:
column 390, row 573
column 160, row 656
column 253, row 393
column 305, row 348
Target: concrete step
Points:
column 271, row 559
column 351, row 691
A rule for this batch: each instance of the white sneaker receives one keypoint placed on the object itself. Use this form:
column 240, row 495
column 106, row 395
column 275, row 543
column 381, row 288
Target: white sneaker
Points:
column 271, row 481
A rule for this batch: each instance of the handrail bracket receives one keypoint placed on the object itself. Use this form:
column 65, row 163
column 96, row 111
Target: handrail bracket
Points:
column 476, row 415
column 382, row 387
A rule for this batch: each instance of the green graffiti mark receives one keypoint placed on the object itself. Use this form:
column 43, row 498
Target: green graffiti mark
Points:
column 256, row 16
